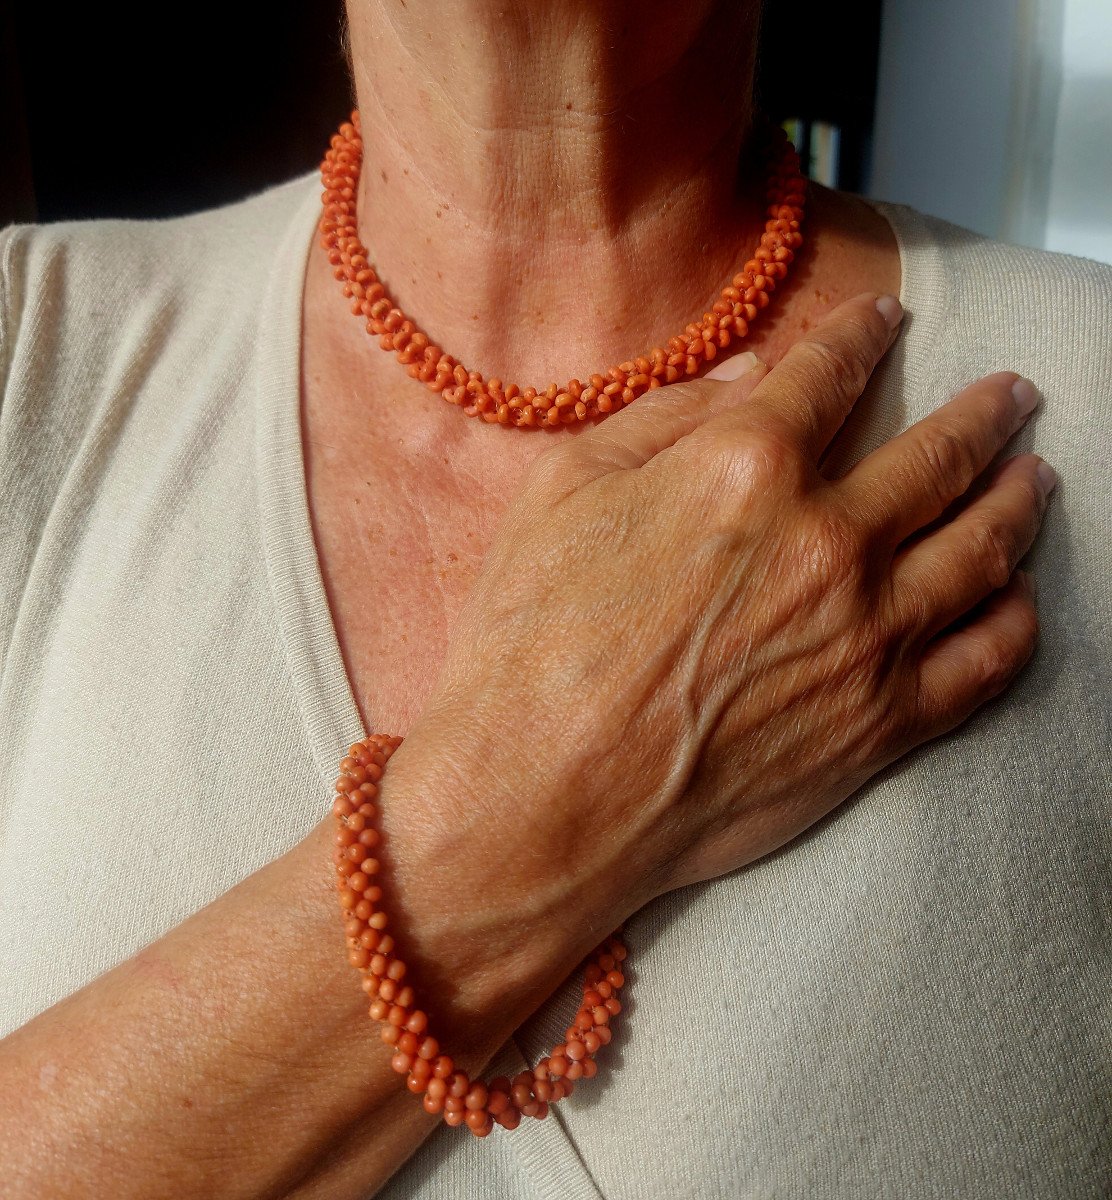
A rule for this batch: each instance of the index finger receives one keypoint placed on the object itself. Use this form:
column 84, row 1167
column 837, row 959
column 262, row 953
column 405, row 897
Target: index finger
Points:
column 807, row 396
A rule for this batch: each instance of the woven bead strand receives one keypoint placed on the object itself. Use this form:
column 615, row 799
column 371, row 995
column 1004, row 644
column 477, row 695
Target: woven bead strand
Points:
column 406, row 1026
column 577, row 400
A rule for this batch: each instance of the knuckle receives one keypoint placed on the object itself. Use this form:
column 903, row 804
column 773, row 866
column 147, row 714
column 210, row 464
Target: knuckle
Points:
column 994, row 551
column 1001, row 656
column 996, row 664
column 842, row 366
column 760, row 461
column 944, row 459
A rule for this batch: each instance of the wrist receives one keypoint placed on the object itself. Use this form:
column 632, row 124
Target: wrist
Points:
column 491, row 907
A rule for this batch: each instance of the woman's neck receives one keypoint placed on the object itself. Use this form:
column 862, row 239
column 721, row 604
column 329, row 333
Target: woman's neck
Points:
column 549, row 187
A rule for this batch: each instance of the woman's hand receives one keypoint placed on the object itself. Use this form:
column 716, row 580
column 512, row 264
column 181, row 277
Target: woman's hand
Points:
column 685, row 647
column 710, row 644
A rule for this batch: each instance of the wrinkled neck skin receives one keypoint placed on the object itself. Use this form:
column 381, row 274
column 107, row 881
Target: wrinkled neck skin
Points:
column 551, row 186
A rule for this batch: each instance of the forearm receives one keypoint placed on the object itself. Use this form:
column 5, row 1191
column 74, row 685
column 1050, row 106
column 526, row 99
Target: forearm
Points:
column 235, row 1057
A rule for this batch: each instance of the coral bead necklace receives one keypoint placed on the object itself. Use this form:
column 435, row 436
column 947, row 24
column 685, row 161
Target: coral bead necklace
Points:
column 603, row 392
column 371, row 949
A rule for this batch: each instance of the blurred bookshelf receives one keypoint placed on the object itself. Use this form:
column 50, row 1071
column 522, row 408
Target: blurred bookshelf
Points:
column 817, row 76
column 818, row 144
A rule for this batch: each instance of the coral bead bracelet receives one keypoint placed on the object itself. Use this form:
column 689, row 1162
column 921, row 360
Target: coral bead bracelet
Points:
column 406, row 1027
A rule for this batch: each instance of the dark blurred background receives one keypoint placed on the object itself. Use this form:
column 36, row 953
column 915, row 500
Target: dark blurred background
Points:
column 128, row 110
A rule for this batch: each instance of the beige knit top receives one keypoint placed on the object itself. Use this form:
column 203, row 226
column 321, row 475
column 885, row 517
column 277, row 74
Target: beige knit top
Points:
column 911, row 1000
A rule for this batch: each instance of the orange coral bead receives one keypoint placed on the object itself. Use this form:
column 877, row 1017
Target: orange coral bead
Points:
column 480, row 1123
column 418, row 1022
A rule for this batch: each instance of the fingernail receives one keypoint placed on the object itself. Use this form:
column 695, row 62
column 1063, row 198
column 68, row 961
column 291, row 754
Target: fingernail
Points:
column 1048, row 477
column 1026, row 397
column 734, row 367
column 890, row 309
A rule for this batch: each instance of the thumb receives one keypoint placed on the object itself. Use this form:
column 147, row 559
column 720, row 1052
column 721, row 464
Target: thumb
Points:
column 659, row 418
